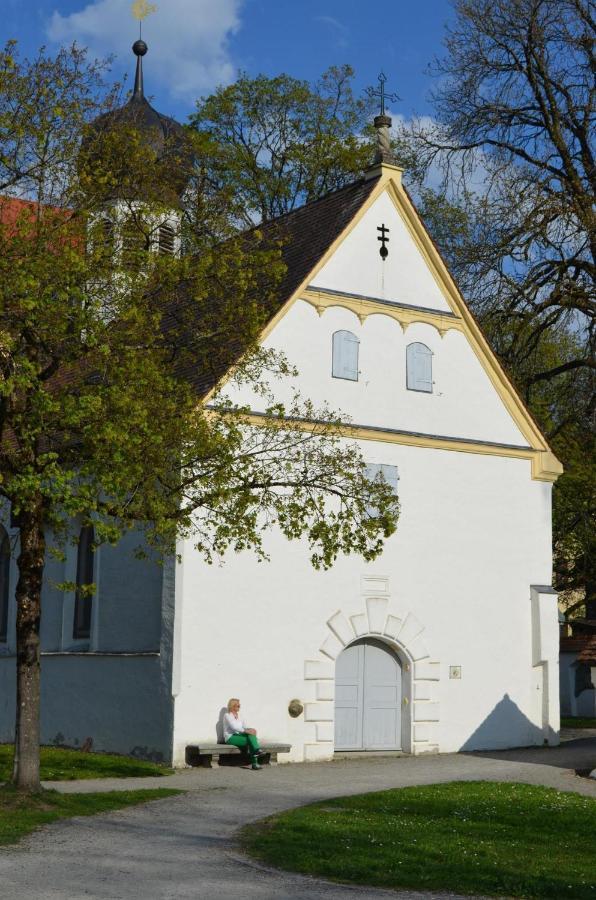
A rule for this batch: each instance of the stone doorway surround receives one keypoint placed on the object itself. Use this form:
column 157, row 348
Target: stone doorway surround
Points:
column 400, row 630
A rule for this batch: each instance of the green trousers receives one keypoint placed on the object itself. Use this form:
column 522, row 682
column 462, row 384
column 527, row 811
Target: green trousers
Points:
column 246, row 742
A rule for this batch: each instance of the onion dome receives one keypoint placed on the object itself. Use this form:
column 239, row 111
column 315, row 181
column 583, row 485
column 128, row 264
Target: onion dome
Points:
column 165, row 137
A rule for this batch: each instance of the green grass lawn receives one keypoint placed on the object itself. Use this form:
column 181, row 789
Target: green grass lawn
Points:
column 578, row 722
column 482, row 838
column 22, row 813
column 70, row 765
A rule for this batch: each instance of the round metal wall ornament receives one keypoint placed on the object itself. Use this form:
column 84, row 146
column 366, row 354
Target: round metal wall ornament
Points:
column 295, row 708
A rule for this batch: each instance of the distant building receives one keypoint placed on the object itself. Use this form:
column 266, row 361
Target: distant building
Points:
column 578, row 665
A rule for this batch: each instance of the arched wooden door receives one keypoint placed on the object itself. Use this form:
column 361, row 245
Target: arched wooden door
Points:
column 368, row 697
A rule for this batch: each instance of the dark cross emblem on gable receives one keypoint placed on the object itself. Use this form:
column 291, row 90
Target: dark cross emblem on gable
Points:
column 383, row 237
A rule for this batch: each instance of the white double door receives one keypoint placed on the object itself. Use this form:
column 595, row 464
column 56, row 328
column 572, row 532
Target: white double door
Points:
column 368, row 698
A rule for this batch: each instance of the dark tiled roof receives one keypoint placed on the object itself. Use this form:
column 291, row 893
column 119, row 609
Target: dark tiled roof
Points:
column 309, row 231
column 305, row 234
column 582, row 644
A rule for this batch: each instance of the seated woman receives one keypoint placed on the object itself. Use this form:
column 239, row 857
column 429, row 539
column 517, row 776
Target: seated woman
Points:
column 235, row 732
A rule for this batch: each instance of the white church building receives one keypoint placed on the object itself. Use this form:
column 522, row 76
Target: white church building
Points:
column 448, row 641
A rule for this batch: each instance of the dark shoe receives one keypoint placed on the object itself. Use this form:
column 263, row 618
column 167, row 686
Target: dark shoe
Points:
column 255, row 765
column 260, row 753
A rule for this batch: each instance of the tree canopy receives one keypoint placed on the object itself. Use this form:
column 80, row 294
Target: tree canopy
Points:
column 108, row 342
column 271, row 144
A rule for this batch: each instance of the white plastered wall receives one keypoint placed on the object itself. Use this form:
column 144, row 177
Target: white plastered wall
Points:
column 474, row 534
column 463, row 402
column 357, row 267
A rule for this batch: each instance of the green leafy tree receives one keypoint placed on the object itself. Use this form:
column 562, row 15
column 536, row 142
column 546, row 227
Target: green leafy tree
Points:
column 272, row 144
column 107, row 346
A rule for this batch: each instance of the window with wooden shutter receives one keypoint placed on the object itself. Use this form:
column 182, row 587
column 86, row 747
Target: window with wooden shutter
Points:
column 388, row 473
column 83, row 600
column 419, row 368
column 4, row 583
column 134, row 243
column 167, row 239
column 345, row 355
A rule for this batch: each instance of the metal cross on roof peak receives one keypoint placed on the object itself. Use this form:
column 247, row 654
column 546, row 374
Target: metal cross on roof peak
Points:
column 381, row 93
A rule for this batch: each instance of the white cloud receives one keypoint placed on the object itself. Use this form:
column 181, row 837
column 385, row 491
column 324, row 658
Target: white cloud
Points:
column 338, row 29
column 188, row 40
column 477, row 167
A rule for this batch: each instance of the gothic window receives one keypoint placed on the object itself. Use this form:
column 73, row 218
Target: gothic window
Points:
column 4, row 583
column 345, row 355
column 84, row 601
column 167, row 239
column 419, row 368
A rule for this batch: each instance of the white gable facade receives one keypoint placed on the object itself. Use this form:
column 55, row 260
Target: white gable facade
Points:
column 448, row 641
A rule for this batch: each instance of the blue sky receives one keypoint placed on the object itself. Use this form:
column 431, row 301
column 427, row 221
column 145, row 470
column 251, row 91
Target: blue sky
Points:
column 196, row 44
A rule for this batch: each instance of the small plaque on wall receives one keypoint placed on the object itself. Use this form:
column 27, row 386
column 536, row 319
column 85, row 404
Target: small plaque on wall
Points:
column 455, row 671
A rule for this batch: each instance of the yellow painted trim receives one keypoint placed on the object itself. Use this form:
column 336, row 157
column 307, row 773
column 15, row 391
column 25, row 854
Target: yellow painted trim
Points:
column 384, row 169
column 364, row 307
column 544, row 465
column 484, row 353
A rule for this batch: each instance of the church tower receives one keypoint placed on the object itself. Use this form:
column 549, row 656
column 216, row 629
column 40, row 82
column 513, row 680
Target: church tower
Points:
column 142, row 212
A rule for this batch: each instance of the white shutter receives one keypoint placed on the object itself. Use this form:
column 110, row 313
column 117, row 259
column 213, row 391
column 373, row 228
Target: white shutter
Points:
column 345, row 355
column 419, row 368
column 390, row 475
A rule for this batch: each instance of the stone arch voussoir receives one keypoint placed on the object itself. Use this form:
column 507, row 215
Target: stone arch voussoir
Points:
column 405, row 633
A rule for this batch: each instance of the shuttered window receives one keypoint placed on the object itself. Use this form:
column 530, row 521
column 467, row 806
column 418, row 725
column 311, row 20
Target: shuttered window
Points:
column 134, row 243
column 4, row 584
column 345, row 355
column 83, row 601
column 419, row 368
column 167, row 239
column 389, row 473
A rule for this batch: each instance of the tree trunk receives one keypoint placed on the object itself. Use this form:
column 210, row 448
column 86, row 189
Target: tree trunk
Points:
column 28, row 595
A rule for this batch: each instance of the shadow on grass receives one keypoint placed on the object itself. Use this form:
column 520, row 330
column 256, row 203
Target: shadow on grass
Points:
column 21, row 813
column 59, row 764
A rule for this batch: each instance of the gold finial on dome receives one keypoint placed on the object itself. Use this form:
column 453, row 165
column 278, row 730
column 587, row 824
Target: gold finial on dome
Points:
column 142, row 8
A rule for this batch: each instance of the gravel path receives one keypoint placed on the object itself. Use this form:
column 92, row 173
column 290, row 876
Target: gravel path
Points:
column 183, row 847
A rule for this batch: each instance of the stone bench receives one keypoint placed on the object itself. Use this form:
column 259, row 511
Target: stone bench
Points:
column 203, row 754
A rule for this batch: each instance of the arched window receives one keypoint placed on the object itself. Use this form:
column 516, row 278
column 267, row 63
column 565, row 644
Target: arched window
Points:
column 83, row 601
column 345, row 355
column 4, row 583
column 419, row 368
column 167, row 239
column 101, row 235
column 106, row 237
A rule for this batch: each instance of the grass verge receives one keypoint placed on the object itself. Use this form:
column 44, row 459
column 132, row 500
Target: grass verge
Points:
column 22, row 813
column 70, row 765
column 475, row 838
column 578, row 722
